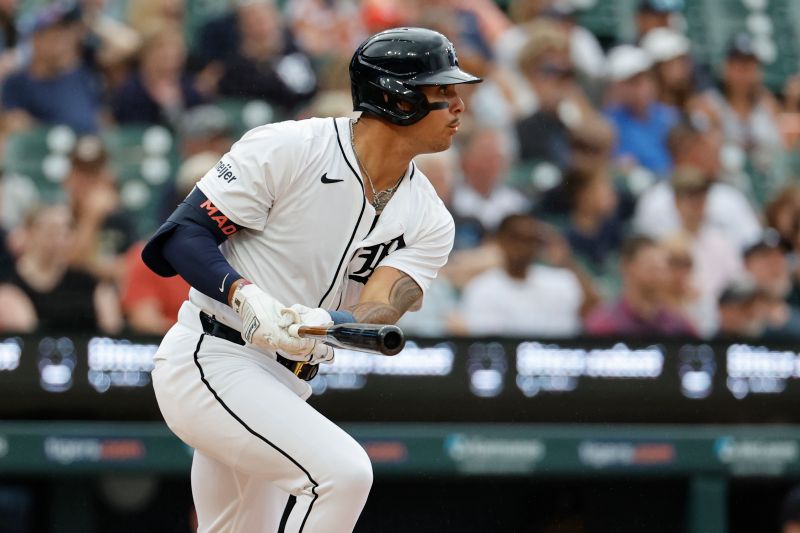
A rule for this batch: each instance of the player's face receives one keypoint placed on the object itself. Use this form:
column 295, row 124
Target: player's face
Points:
column 435, row 132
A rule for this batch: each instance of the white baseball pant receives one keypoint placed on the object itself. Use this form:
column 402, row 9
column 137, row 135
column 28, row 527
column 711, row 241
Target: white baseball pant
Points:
column 256, row 440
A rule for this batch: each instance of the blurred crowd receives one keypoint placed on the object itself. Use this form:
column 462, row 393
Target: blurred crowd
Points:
column 598, row 188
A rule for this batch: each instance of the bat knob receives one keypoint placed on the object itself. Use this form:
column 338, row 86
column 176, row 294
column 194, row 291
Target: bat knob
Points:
column 392, row 340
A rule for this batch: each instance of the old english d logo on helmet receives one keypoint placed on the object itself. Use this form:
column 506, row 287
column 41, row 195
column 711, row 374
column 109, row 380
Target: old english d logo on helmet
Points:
column 391, row 66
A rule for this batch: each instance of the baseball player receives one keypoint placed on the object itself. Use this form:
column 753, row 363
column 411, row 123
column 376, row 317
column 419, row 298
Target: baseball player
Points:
column 313, row 222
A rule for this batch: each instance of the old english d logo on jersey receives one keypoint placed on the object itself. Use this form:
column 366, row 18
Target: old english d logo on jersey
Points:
column 372, row 256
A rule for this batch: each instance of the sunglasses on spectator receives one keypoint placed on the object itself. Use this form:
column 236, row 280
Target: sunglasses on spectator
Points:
column 556, row 71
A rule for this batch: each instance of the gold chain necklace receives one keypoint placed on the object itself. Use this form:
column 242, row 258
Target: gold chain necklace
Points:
column 379, row 199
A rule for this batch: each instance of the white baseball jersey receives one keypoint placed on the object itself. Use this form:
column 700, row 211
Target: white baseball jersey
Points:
column 309, row 236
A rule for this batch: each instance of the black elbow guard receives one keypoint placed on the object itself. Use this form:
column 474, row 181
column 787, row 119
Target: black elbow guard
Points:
column 196, row 209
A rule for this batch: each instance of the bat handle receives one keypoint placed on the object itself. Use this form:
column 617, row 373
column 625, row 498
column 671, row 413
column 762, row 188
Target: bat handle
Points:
column 308, row 332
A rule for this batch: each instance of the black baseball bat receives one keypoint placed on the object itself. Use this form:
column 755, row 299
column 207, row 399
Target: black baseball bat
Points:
column 382, row 339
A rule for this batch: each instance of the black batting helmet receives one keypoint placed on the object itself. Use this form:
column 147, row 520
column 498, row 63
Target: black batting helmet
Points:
column 389, row 67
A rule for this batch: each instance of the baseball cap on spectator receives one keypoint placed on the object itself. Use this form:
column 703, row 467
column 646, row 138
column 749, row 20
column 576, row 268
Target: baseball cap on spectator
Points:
column 88, row 155
column 661, row 6
column 205, row 121
column 739, row 290
column 52, row 15
column 626, row 61
column 664, row 44
column 689, row 180
column 770, row 240
column 741, row 47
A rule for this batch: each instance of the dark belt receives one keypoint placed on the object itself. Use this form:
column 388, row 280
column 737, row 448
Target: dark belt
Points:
column 215, row 328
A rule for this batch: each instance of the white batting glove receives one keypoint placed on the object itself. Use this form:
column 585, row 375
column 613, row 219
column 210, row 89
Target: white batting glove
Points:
column 265, row 319
column 318, row 317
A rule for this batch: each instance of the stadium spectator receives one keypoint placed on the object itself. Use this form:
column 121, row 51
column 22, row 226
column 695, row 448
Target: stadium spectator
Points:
column 681, row 294
column 789, row 119
column 220, row 35
column 564, row 129
column 205, row 128
column 746, row 110
column 586, row 52
column 325, row 28
column 103, row 229
column 478, row 23
column 437, row 316
column 9, row 34
column 474, row 252
column 642, row 123
column 147, row 17
column 642, row 309
column 107, row 41
column 159, row 91
column 16, row 312
column 652, row 14
column 767, row 265
column 743, row 310
column 673, row 66
column 56, row 87
column 11, row 54
column 266, row 64
column 523, row 299
column 596, row 220
column 716, row 258
column 485, row 158
column 202, row 129
column 150, row 302
column 728, row 209
column 63, row 298
column 783, row 214
column 441, row 169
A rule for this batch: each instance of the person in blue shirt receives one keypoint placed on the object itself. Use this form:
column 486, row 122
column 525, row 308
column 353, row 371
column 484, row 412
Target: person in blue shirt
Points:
column 642, row 123
column 56, row 87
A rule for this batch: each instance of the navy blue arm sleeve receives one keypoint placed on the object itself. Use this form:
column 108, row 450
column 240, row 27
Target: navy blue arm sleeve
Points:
column 188, row 244
column 194, row 254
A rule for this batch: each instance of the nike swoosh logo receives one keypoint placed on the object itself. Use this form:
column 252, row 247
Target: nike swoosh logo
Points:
column 325, row 179
column 222, row 287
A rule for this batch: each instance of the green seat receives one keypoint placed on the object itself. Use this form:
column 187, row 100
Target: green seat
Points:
column 244, row 115
column 145, row 161
column 28, row 153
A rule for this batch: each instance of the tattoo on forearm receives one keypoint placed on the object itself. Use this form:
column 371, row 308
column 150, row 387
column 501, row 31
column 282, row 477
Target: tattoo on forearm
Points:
column 402, row 296
column 375, row 313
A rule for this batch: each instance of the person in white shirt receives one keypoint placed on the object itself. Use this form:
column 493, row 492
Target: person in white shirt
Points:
column 727, row 208
column 716, row 257
column 522, row 298
column 485, row 159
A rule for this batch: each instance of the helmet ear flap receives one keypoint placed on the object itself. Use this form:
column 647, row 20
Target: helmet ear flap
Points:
column 391, row 99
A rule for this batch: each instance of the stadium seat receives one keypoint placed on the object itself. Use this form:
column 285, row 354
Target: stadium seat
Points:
column 29, row 153
column 145, row 160
column 244, row 115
